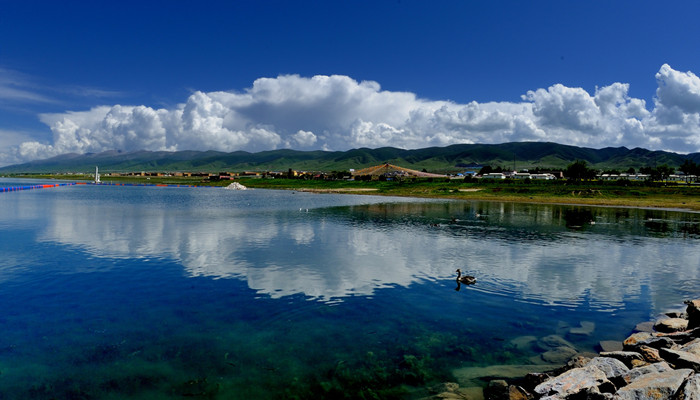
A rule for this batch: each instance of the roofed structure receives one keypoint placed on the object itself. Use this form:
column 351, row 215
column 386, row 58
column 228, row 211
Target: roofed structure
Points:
column 390, row 170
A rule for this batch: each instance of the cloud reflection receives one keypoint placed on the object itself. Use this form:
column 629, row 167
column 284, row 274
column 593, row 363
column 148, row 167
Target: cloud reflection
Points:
column 531, row 252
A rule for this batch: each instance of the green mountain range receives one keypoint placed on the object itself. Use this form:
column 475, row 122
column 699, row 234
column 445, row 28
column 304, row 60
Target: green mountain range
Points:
column 434, row 159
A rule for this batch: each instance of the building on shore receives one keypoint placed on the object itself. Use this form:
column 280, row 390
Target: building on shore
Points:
column 392, row 171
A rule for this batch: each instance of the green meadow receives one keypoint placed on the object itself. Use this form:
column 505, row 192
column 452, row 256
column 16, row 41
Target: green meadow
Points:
column 591, row 193
column 618, row 193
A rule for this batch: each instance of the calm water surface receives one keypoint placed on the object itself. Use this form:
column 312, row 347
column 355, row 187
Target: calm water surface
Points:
column 164, row 293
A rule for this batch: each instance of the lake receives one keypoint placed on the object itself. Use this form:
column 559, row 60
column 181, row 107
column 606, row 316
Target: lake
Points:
column 117, row 292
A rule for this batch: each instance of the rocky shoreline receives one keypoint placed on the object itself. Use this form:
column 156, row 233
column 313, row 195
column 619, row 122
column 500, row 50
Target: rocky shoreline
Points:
column 660, row 361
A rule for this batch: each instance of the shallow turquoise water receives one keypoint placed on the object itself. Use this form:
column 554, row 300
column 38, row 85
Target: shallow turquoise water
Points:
column 150, row 292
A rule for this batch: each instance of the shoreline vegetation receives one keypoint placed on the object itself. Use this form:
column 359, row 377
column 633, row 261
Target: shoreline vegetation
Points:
column 676, row 196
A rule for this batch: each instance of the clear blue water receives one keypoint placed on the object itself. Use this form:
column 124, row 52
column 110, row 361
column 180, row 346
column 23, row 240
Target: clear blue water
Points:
column 163, row 293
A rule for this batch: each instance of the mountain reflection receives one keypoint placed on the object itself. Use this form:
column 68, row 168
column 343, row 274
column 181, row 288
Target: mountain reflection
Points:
column 543, row 253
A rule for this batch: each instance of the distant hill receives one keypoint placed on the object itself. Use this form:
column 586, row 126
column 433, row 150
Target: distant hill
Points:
column 433, row 159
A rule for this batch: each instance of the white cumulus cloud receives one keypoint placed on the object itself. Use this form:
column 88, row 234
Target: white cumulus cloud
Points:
column 304, row 139
column 339, row 113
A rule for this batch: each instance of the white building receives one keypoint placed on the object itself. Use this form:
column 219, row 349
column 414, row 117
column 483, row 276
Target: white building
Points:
column 520, row 175
column 494, row 175
column 546, row 177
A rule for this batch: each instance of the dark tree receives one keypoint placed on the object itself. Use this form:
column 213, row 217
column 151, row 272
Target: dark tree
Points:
column 661, row 172
column 579, row 171
column 486, row 169
column 689, row 168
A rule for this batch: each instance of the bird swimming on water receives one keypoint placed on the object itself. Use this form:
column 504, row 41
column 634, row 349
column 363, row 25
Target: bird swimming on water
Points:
column 466, row 279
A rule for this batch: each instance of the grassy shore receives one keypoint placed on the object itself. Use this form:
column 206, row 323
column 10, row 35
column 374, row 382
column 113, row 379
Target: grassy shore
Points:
column 587, row 193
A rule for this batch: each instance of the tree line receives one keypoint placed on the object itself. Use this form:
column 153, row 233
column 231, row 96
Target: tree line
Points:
column 580, row 171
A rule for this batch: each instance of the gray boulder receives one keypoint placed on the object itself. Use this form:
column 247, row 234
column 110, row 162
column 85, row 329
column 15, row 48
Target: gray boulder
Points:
column 656, row 368
column 684, row 336
column 654, row 386
column 572, row 382
column 636, row 340
column 692, row 347
column 518, row 393
column 650, row 355
column 625, row 357
column 681, row 359
column 612, row 368
column 690, row 389
column 659, row 342
column 669, row 325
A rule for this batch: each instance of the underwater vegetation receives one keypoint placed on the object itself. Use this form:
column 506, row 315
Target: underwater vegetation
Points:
column 196, row 367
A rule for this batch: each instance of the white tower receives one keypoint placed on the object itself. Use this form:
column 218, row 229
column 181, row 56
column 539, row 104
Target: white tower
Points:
column 97, row 176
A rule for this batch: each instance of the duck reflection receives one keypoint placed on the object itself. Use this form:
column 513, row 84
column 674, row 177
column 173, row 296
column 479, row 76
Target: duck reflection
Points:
column 464, row 279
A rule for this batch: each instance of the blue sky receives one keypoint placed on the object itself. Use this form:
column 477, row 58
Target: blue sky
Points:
column 258, row 75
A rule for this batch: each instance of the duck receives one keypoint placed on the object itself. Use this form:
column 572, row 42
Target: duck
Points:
column 466, row 279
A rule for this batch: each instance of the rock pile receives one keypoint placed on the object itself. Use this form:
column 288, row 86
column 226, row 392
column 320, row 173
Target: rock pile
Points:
column 236, row 186
column 662, row 364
